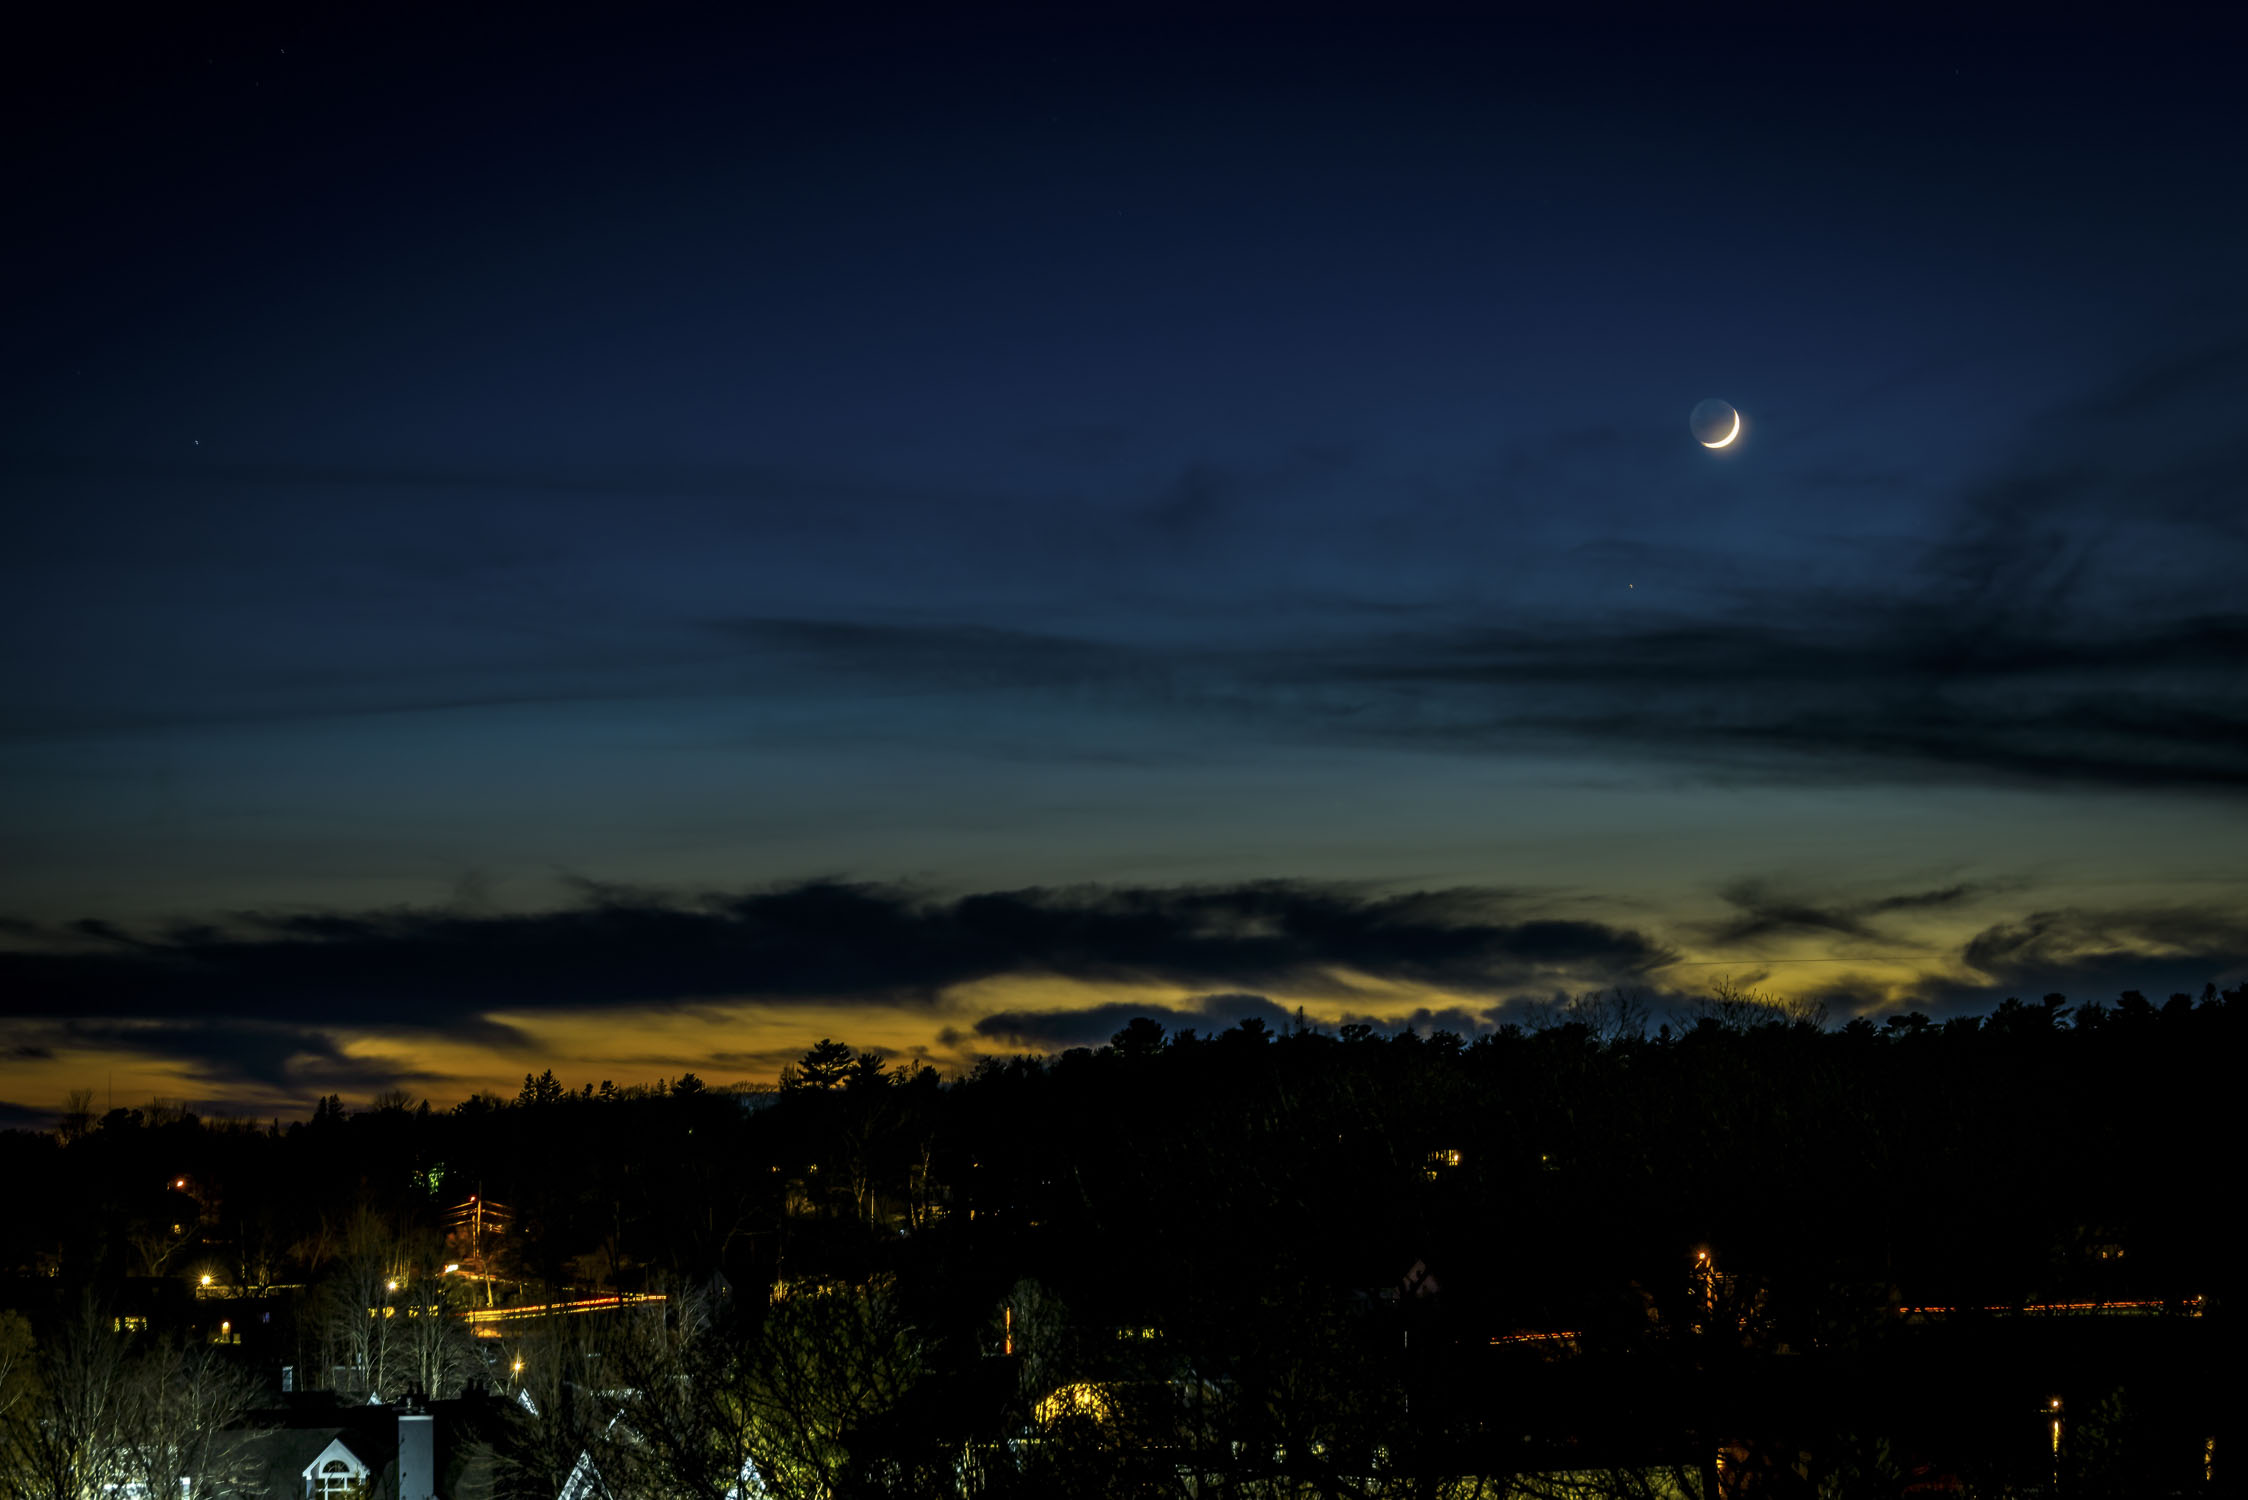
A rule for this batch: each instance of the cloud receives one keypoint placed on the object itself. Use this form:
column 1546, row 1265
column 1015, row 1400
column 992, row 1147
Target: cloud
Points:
column 237, row 1058
column 2096, row 954
column 1048, row 1030
column 1514, row 1010
column 2065, row 619
column 944, row 655
column 15, row 1116
column 1863, row 688
column 2088, row 955
column 406, row 969
column 1763, row 911
column 232, row 1052
column 1879, row 691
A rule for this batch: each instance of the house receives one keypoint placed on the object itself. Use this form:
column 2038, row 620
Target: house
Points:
column 313, row 1450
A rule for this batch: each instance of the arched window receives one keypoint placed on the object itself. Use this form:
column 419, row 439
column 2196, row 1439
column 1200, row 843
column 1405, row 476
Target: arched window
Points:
column 335, row 1481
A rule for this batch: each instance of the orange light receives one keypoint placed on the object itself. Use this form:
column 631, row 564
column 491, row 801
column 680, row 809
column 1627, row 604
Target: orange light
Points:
column 206, row 1278
column 480, row 1315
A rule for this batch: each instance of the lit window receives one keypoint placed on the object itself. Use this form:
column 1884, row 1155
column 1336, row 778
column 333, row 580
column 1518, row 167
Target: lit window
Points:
column 335, row 1479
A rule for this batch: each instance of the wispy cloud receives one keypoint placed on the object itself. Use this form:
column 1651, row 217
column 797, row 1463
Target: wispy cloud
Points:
column 1765, row 909
column 823, row 940
column 1051, row 1030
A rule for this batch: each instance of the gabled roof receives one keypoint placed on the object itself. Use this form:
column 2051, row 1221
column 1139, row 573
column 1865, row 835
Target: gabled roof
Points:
column 290, row 1442
column 336, row 1449
column 284, row 1440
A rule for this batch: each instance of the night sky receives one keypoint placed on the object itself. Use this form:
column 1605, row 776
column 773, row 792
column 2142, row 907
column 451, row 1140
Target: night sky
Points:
column 633, row 545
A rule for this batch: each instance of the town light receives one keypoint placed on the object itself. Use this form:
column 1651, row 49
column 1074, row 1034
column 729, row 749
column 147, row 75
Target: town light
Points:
column 390, row 1286
column 455, row 1266
column 206, row 1278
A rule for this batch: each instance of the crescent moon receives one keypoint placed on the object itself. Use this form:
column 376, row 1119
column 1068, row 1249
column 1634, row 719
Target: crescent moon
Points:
column 1736, row 432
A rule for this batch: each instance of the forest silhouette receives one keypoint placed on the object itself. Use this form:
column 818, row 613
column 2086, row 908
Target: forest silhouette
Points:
column 1748, row 1252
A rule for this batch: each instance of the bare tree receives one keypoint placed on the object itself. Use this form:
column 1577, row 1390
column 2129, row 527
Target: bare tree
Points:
column 828, row 1367
column 64, row 1426
column 559, row 1368
column 795, row 1401
column 681, row 1428
column 19, row 1396
column 365, row 1309
column 76, row 1121
column 178, row 1403
column 431, row 1348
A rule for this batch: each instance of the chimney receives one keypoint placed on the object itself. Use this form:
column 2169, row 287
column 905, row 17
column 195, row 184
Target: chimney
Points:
column 417, row 1454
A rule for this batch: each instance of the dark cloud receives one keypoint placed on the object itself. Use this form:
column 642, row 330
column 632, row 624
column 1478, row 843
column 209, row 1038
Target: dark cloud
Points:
column 1048, row 1030
column 2087, row 955
column 1950, row 895
column 233, row 1053
column 2096, row 954
column 15, row 1116
column 237, row 1058
column 950, row 656
column 1878, row 691
column 1762, row 910
column 1868, row 688
column 1455, row 1020
column 420, row 968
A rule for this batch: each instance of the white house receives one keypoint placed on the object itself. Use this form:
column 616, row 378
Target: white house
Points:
column 350, row 1453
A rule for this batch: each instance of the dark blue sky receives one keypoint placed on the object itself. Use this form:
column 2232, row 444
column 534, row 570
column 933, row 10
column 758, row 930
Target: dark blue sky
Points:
column 489, row 503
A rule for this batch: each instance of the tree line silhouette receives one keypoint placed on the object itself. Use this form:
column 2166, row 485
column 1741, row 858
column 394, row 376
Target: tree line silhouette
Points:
column 1295, row 1261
